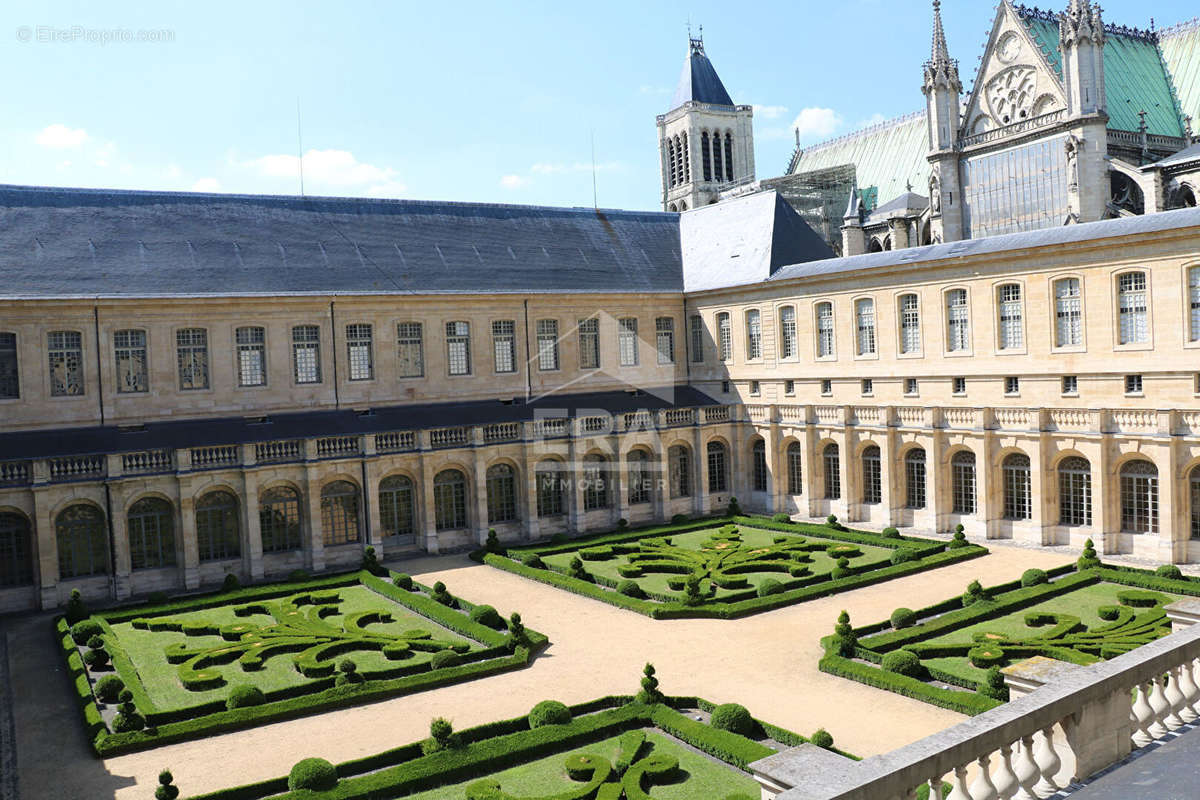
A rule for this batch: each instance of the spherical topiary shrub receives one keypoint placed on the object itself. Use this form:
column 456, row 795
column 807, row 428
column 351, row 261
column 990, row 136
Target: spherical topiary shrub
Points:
column 891, row 533
column 347, row 673
column 487, row 615
column 95, row 642
column 769, row 587
column 630, row 589
column 902, row 554
column 244, row 696
column 403, row 581
column 109, row 688
column 781, row 517
column 986, row 655
column 1108, row 613
column 231, row 583
column 902, row 662
column 1033, row 577
column 734, row 718
column 822, row 738
column 549, row 712
column 1169, row 571
column 679, row 519
column 165, row 790
column 315, row 774
column 81, row 632
column 832, row 521
column 622, row 524
column 444, row 658
column 903, row 618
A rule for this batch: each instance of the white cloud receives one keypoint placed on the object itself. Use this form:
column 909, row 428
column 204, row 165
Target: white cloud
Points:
column 207, row 185
column 337, row 169
column 817, row 123
column 769, row 112
column 60, row 137
column 513, row 181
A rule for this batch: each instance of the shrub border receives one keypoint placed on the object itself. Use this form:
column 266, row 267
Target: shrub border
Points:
column 206, row 719
column 930, row 554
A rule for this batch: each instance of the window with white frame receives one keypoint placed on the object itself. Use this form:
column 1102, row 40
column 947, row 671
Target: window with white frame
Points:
column 872, row 475
column 833, row 475
column 962, row 479
column 911, row 387
column 458, row 348
column 824, row 330
column 1012, row 385
column 1018, row 494
column 864, row 314
column 725, row 336
column 1131, row 298
column 410, row 349
column 589, row 343
column 359, row 351
column 795, row 471
column 914, row 478
column 504, row 345
column 959, row 386
column 697, row 334
column 129, row 350
column 547, row 344
column 759, row 463
column 1139, row 497
column 826, row 387
column 191, row 355
column 627, row 341
column 1068, row 313
column 753, row 335
column 1011, row 311
column 251, row 356
column 306, row 353
column 65, row 352
column 1133, row 384
column 958, row 321
column 1075, row 491
column 787, row 332
column 1194, row 303
column 910, row 324
column 1070, row 384
column 867, row 386
column 664, row 339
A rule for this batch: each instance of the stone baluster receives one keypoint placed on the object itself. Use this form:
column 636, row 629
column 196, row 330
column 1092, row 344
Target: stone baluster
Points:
column 1160, row 706
column 1142, row 716
column 1191, row 692
column 1026, row 769
column 1048, row 763
column 958, row 785
column 1174, row 697
column 982, row 787
column 1005, row 780
column 935, row 788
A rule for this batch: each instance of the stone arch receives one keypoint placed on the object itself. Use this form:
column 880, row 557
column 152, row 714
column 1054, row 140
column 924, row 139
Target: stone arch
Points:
column 150, row 530
column 281, row 514
column 81, row 534
column 450, row 492
column 502, row 478
column 16, row 548
column 218, row 524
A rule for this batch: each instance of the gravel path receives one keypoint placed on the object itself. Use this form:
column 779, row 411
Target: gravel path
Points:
column 767, row 662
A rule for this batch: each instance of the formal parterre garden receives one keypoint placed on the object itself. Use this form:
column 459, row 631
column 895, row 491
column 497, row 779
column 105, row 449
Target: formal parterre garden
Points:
column 155, row 674
column 726, row 567
column 951, row 653
column 629, row 747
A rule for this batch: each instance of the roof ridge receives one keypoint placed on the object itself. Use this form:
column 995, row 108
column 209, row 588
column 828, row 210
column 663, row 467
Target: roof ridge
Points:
column 873, row 128
column 1179, row 27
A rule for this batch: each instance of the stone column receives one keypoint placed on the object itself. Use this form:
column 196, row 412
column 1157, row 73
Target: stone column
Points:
column 990, row 503
column 891, row 467
column 937, row 481
column 699, row 469
column 427, row 512
column 316, row 535
column 618, row 496
column 1172, row 533
column 530, row 522
column 479, row 483
column 1041, row 485
column 851, row 491
column 1106, row 495
column 47, row 547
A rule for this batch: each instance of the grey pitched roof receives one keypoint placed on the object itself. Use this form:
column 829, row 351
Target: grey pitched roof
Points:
column 905, row 204
column 84, row 242
column 1068, row 234
column 699, row 82
column 1184, row 156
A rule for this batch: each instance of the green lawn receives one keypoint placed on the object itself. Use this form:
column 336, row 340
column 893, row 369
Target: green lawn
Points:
column 700, row 776
column 751, row 538
column 160, row 679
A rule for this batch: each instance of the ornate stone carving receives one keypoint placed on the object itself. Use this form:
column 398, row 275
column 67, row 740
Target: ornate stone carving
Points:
column 1010, row 94
column 1072, row 144
column 935, row 191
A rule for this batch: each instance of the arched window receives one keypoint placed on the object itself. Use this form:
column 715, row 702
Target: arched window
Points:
column 962, row 478
column 910, row 324
column 501, row 494
column 872, row 474
column 279, row 520
column 685, row 161
column 1011, row 311
column 339, row 513
column 795, row 473
column 151, row 528
column 914, row 478
column 397, row 508
column 706, row 155
column 595, row 483
column 671, row 164
column 1139, row 497
column 718, row 157
column 761, row 477
column 729, row 156
column 450, row 500
column 824, row 330
column 725, row 336
column 787, row 332
column 864, row 315
column 639, row 477
column 1018, row 501
column 753, row 334
column 681, row 471
column 218, row 532
column 82, row 542
column 718, row 480
column 1194, row 496
column 551, row 483
column 1068, row 313
column 1131, row 297
column 833, row 475
column 16, row 550
column 1074, row 491
column 958, row 321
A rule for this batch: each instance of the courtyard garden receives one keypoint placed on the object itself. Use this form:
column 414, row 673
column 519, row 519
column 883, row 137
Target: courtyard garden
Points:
column 156, row 674
column 951, row 653
column 726, row 567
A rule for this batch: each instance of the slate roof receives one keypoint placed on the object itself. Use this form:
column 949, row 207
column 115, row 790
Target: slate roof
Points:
column 699, row 81
column 238, row 430
column 83, row 242
column 1184, row 156
column 905, row 205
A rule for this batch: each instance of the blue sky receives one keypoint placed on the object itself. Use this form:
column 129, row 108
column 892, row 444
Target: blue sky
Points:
column 491, row 102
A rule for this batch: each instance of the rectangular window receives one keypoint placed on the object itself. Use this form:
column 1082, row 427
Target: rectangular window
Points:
column 959, row 386
column 826, row 387
column 872, row 477
column 962, row 473
column 10, row 384
column 664, row 339
column 410, row 350
column 697, row 334
column 129, row 349
column 910, row 386
column 547, row 344
column 1194, row 302
column 958, row 323
column 1012, row 385
column 359, row 352
column 868, row 387
column 306, row 353
column 458, row 348
column 724, row 387
column 864, row 311
column 910, row 324
column 627, row 341
column 65, row 350
column 589, row 343
column 824, row 330
column 1068, row 313
column 504, row 345
column 725, row 336
column 1133, row 384
column 787, row 332
column 191, row 353
column 1012, row 332
column 1070, row 385
column 914, row 480
column 1132, row 298
column 251, row 356
column 789, row 388
column 755, row 389
column 753, row 335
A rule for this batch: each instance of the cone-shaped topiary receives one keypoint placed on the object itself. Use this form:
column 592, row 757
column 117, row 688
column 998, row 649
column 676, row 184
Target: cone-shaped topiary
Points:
column 649, row 692
column 1089, row 558
column 577, row 571
column 844, row 639
column 517, row 636
column 691, row 591
column 960, row 538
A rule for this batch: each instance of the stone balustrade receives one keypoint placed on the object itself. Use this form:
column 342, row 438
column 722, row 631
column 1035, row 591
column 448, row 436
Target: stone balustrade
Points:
column 147, row 462
column 1064, row 723
column 397, row 442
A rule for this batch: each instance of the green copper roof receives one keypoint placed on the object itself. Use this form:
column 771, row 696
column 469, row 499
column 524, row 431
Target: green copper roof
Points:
column 1135, row 78
column 888, row 157
column 1181, row 50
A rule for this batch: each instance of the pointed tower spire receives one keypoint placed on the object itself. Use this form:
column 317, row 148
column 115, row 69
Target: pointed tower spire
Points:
column 942, row 87
column 941, row 53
